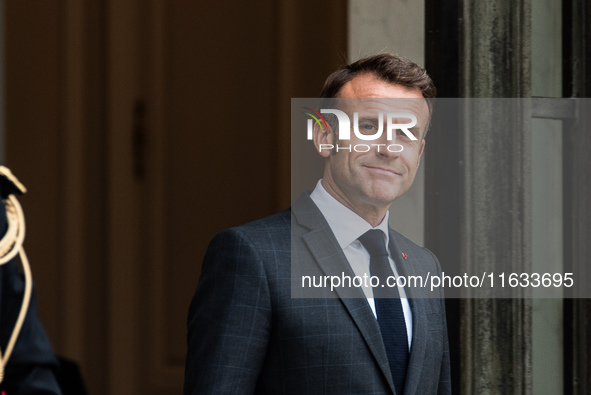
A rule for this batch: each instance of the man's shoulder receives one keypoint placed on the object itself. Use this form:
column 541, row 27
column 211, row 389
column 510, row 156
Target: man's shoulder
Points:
column 404, row 244
column 276, row 231
column 277, row 221
column 302, row 212
column 402, row 240
column 273, row 229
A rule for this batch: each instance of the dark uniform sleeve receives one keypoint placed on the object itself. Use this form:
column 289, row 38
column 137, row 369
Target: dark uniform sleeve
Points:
column 32, row 365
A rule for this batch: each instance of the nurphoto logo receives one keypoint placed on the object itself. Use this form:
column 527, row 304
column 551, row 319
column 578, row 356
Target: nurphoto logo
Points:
column 367, row 129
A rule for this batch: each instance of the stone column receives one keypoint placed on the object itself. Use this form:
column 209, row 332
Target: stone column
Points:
column 495, row 185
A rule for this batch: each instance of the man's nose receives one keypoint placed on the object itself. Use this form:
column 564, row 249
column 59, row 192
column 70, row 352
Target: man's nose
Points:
column 387, row 148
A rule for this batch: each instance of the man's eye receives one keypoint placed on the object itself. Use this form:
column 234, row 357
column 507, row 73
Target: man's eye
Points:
column 368, row 128
column 401, row 133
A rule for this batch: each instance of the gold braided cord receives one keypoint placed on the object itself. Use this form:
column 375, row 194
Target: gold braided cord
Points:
column 14, row 238
column 15, row 233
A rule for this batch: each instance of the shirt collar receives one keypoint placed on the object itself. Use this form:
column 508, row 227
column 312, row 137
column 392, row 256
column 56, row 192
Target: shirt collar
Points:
column 346, row 225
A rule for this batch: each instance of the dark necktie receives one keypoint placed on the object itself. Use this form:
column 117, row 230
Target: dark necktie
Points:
column 388, row 307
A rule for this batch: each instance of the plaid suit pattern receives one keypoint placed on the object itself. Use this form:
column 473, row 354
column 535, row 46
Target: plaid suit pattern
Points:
column 247, row 335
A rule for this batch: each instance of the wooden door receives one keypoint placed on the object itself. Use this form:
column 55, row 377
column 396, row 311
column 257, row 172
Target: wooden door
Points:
column 142, row 128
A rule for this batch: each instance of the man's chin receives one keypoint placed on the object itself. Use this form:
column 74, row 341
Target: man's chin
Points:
column 384, row 194
column 382, row 199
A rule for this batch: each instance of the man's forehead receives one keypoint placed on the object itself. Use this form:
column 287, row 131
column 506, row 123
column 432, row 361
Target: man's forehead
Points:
column 368, row 94
column 383, row 105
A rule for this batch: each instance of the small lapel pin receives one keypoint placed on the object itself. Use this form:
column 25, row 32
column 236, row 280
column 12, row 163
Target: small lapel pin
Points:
column 404, row 255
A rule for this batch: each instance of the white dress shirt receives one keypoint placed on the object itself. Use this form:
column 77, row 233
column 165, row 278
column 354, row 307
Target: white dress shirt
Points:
column 347, row 227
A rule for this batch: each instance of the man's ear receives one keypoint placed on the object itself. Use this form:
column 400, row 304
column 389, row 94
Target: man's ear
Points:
column 323, row 140
column 421, row 148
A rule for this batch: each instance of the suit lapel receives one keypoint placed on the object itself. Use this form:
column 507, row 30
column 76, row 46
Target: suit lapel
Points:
column 411, row 267
column 331, row 259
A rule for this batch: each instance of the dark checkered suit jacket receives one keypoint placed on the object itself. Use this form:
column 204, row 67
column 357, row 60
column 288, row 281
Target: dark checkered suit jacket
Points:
column 247, row 335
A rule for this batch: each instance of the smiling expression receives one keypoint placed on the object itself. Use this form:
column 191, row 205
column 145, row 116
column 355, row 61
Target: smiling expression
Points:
column 368, row 182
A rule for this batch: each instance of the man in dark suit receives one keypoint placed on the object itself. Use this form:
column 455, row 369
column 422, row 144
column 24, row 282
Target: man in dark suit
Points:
column 254, row 327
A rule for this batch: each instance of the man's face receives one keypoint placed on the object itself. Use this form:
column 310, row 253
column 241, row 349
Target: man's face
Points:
column 372, row 180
